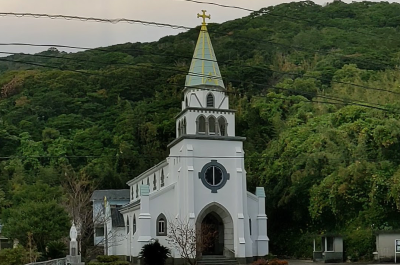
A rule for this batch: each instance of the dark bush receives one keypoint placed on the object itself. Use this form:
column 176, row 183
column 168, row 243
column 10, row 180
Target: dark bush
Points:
column 107, row 259
column 154, row 254
column 56, row 250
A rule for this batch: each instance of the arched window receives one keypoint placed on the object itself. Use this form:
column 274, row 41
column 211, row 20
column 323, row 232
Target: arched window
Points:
column 179, row 128
column 161, row 225
column 137, row 190
column 127, row 224
column 211, row 125
column 222, row 126
column 184, row 126
column 201, row 124
column 187, row 102
column 162, row 178
column 154, row 182
column 148, row 182
column 134, row 225
column 210, row 100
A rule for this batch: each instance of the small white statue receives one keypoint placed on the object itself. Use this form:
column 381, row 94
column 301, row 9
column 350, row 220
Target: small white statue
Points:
column 73, row 234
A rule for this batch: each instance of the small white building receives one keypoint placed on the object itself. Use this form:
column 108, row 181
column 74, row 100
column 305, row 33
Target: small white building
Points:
column 387, row 246
column 203, row 180
column 115, row 199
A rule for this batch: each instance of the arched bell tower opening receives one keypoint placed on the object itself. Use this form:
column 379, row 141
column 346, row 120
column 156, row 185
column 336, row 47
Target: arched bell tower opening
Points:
column 216, row 219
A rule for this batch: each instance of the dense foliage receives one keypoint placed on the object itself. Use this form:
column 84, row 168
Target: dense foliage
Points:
column 109, row 113
column 154, row 253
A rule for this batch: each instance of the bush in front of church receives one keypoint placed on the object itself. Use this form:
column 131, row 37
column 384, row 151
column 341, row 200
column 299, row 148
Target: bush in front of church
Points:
column 270, row 262
column 154, row 253
column 108, row 260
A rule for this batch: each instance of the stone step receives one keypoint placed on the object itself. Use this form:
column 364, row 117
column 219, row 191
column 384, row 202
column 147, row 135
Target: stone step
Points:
column 213, row 257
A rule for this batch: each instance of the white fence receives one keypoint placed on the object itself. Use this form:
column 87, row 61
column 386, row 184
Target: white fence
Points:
column 62, row 261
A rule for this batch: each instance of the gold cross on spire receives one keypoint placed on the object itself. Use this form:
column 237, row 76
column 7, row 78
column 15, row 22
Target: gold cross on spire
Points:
column 204, row 16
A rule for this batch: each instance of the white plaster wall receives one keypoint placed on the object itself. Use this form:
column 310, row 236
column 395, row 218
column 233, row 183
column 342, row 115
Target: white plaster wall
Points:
column 189, row 196
column 233, row 196
column 118, row 241
column 252, row 208
column 150, row 175
column 338, row 244
column 162, row 202
column 385, row 245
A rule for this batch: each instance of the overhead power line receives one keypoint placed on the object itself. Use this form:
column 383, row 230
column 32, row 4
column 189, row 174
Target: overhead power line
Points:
column 94, row 19
column 346, row 101
column 177, row 56
column 199, row 75
column 263, row 86
column 247, row 158
column 151, row 23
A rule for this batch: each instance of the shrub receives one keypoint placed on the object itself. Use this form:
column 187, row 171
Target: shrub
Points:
column 154, row 254
column 107, row 259
column 56, row 250
column 120, row 262
column 14, row 256
column 260, row 262
column 270, row 262
column 360, row 243
column 277, row 262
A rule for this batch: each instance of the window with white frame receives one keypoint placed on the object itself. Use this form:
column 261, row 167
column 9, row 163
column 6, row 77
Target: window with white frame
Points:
column 161, row 225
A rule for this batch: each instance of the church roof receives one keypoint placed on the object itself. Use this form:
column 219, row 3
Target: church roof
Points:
column 110, row 194
column 204, row 69
column 117, row 218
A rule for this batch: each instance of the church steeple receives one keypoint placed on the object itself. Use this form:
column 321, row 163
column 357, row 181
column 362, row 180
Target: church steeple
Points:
column 204, row 68
column 205, row 106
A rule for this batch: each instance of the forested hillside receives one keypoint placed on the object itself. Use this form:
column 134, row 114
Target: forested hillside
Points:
column 316, row 89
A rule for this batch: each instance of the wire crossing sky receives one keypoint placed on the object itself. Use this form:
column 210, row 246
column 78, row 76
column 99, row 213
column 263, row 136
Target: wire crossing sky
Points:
column 89, row 34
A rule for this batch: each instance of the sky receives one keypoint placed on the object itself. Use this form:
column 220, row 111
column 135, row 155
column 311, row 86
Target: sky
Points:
column 93, row 34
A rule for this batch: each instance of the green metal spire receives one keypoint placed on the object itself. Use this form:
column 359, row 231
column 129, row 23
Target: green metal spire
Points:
column 204, row 69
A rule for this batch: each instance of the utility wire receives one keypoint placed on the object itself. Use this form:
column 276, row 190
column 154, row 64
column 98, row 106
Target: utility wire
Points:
column 94, row 19
column 247, row 158
column 178, row 56
column 147, row 23
column 346, row 101
column 211, row 77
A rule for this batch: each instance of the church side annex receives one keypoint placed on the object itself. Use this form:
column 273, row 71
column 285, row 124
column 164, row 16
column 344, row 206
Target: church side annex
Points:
column 203, row 180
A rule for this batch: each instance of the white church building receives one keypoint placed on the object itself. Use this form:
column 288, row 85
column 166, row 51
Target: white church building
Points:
column 203, row 180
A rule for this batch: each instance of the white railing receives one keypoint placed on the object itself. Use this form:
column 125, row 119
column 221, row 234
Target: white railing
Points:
column 62, row 261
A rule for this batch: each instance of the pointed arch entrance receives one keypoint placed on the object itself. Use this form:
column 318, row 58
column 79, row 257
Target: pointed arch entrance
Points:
column 217, row 219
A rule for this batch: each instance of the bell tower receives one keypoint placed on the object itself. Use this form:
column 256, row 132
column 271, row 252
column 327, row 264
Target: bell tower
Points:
column 205, row 105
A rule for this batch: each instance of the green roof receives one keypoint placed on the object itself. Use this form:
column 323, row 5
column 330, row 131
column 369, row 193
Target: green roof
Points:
column 204, row 70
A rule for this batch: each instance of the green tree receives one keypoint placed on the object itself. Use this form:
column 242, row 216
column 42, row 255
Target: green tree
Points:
column 36, row 211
